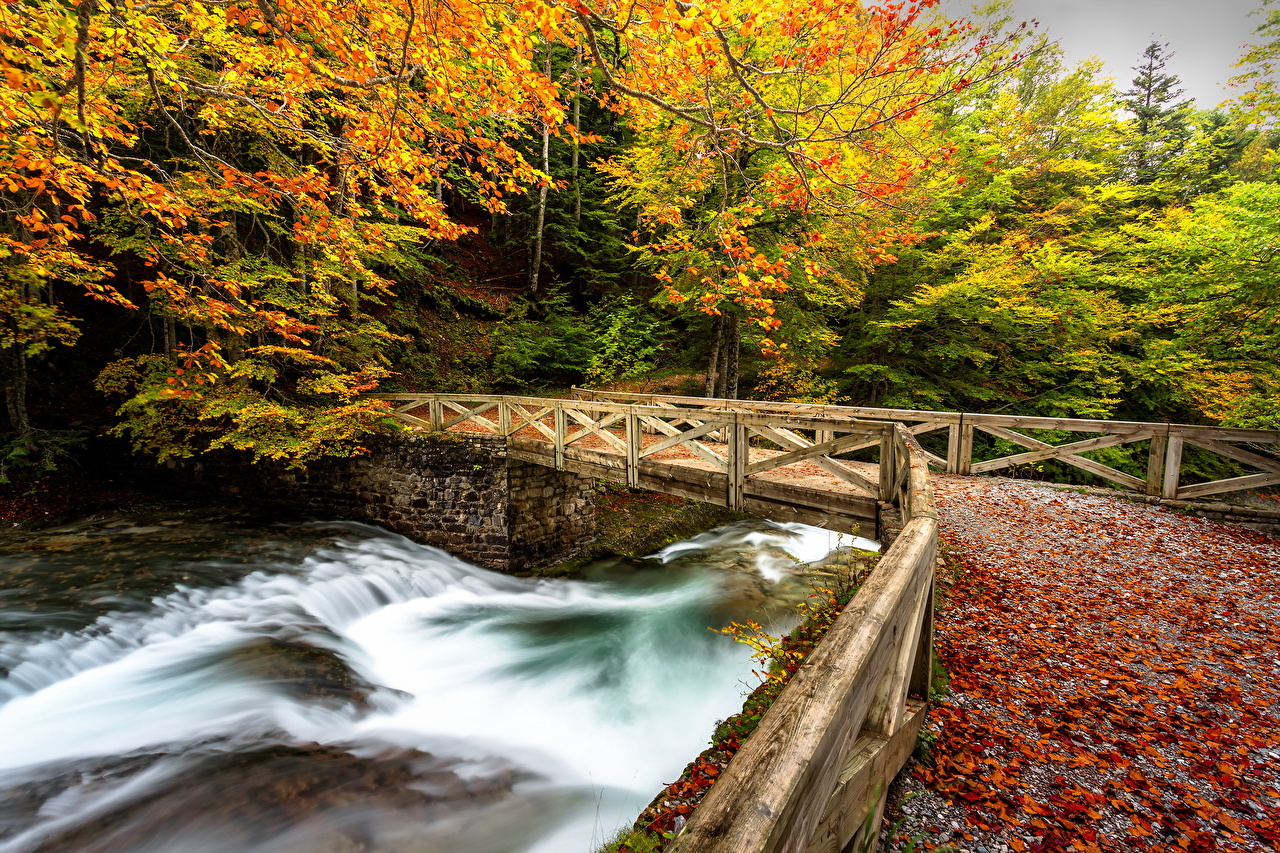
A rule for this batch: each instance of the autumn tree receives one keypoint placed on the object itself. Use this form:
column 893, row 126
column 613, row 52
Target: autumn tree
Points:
column 759, row 124
column 246, row 176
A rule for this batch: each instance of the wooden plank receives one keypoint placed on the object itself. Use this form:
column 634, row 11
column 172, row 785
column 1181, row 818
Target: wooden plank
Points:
column 806, row 452
column 415, row 421
column 467, row 415
column 561, row 428
column 848, row 505
column 535, row 421
column 1067, row 424
column 1239, row 454
column 1097, row 468
column 699, row 449
column 684, row 473
column 675, row 436
column 920, row 502
column 1172, row 467
column 791, row 441
column 935, row 460
column 953, row 449
column 739, row 452
column 1060, row 451
column 1155, row 463
column 436, row 408
column 884, row 717
column 871, row 766
column 922, row 669
column 634, row 439
column 1212, row 433
column 888, row 466
column 596, row 428
column 504, row 417
column 775, row 792
column 1252, row 481
column 964, row 460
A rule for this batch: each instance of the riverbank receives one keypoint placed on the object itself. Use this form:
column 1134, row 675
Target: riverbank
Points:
column 35, row 504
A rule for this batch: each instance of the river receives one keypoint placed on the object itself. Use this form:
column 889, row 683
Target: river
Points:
column 214, row 683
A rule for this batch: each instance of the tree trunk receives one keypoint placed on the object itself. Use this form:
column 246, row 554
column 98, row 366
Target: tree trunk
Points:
column 717, row 334
column 15, row 398
column 536, row 264
column 577, row 118
column 733, row 341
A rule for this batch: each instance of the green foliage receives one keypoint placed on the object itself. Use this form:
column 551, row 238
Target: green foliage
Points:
column 626, row 338
column 43, row 452
column 558, row 345
column 1161, row 123
column 618, row 338
column 1261, row 62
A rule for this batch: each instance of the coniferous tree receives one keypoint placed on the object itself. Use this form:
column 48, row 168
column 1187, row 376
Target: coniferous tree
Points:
column 1161, row 122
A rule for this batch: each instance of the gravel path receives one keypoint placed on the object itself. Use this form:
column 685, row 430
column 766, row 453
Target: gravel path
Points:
column 1115, row 679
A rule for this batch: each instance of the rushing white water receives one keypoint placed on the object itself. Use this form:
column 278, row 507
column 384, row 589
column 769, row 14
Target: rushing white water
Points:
column 470, row 712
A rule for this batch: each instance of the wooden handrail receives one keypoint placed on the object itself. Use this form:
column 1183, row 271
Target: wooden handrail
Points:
column 1166, row 441
column 824, row 753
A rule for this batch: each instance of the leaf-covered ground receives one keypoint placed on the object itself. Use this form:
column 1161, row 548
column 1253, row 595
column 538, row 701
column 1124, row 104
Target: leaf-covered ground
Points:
column 1115, row 678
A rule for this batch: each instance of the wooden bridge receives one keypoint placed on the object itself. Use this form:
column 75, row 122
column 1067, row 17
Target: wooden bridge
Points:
column 812, row 777
column 779, row 465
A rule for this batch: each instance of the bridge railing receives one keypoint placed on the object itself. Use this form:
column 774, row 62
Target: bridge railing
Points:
column 723, row 455
column 823, row 755
column 1166, row 442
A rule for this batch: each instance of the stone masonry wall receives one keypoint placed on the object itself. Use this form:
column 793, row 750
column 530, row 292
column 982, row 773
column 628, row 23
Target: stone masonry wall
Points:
column 549, row 513
column 461, row 494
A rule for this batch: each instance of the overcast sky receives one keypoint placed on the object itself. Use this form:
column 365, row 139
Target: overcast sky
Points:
column 1206, row 36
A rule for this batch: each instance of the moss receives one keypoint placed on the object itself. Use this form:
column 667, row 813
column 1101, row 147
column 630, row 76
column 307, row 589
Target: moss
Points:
column 632, row 841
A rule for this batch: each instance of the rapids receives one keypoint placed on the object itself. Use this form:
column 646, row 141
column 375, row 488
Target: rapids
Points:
column 220, row 686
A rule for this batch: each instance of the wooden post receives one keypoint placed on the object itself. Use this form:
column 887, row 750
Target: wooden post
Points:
column 1155, row 464
column 559, row 415
column 739, row 452
column 822, row 436
column 922, row 670
column 888, row 467
column 436, row 416
column 504, row 417
column 953, row 447
column 965, row 459
column 1172, row 468
column 634, row 438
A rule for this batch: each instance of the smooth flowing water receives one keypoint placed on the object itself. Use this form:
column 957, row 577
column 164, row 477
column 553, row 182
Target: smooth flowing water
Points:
column 218, row 686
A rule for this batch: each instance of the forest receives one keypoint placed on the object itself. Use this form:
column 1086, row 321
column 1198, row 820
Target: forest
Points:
column 226, row 222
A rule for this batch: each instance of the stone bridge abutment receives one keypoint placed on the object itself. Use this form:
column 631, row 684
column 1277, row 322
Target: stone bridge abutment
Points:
column 460, row 493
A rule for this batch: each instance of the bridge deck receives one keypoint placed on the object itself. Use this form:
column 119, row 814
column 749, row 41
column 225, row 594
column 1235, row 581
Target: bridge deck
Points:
column 778, row 466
